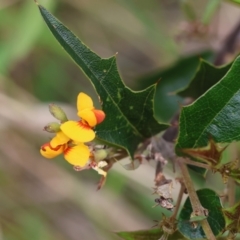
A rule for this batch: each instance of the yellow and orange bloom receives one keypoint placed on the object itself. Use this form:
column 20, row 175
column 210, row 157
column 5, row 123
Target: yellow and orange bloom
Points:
column 87, row 112
column 48, row 151
column 71, row 136
column 77, row 155
column 81, row 131
column 59, row 139
column 78, row 131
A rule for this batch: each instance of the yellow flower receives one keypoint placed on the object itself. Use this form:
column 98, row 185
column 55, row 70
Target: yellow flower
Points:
column 71, row 136
column 77, row 155
column 78, row 131
column 59, row 139
column 81, row 131
column 48, row 151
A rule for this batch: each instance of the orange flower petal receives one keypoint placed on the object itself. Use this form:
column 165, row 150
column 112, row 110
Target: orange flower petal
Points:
column 77, row 155
column 99, row 114
column 59, row 139
column 48, row 152
column 78, row 131
column 84, row 101
column 88, row 116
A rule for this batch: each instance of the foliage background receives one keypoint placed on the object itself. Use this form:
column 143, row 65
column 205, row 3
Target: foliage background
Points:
column 42, row 199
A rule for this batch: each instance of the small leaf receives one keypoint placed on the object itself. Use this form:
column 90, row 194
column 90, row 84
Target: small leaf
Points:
column 211, row 154
column 235, row 174
column 209, row 200
column 215, row 114
column 129, row 114
column 230, row 169
column 232, row 218
column 151, row 234
column 206, row 76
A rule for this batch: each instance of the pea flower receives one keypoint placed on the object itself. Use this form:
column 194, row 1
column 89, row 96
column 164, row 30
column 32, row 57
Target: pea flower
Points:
column 75, row 155
column 81, row 131
column 70, row 136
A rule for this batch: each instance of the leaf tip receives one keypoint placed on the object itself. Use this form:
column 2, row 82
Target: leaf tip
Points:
column 36, row 2
column 158, row 81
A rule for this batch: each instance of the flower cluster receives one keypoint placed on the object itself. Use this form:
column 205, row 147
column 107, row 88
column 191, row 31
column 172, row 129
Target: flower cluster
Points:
column 71, row 137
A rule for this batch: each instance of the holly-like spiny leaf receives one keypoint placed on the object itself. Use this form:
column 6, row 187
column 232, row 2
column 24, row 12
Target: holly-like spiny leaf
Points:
column 215, row 114
column 209, row 200
column 206, row 76
column 129, row 114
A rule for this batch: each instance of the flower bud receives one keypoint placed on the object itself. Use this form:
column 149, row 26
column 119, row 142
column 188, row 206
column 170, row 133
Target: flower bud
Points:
column 52, row 127
column 58, row 113
column 100, row 154
column 99, row 114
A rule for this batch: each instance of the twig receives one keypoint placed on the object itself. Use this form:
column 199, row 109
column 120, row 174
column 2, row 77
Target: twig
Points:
column 231, row 187
column 231, row 191
column 194, row 163
column 178, row 204
column 196, row 205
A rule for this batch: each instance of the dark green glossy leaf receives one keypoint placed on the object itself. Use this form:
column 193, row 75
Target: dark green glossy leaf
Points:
column 209, row 200
column 151, row 234
column 214, row 115
column 206, row 76
column 129, row 114
column 169, row 80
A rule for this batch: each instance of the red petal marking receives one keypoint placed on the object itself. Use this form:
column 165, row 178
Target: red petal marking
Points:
column 43, row 147
column 100, row 115
column 67, row 150
column 83, row 124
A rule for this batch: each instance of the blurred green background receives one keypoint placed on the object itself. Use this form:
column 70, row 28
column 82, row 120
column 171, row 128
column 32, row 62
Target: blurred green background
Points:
column 42, row 199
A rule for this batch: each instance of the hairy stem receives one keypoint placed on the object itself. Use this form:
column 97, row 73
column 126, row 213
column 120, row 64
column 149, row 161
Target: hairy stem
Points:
column 196, row 205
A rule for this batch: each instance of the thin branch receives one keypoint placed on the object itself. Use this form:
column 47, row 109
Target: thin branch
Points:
column 178, row 203
column 194, row 163
column 231, row 183
column 196, row 205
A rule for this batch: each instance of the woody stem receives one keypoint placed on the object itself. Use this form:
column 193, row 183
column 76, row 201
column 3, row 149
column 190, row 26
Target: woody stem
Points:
column 196, row 205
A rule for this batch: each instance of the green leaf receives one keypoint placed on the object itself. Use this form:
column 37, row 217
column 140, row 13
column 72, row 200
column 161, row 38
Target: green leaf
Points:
column 232, row 217
column 151, row 234
column 209, row 200
column 26, row 33
column 214, row 115
column 129, row 114
column 169, row 80
column 209, row 11
column 234, row 1
column 206, row 76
